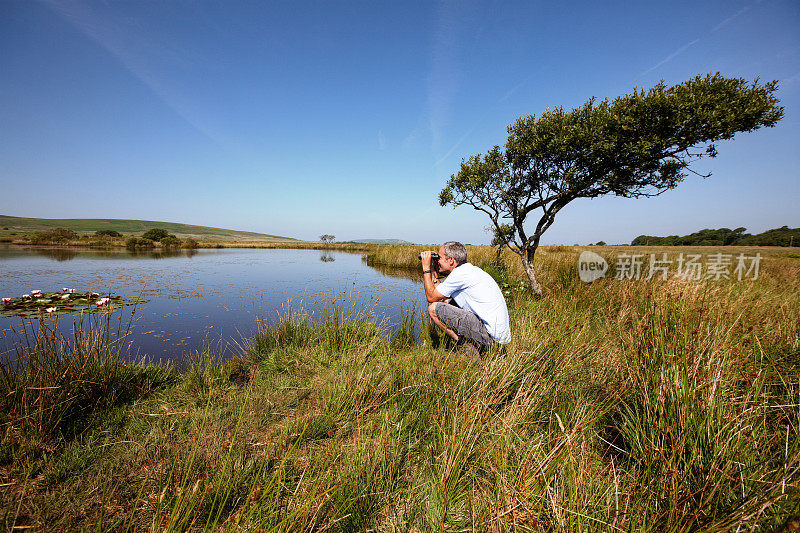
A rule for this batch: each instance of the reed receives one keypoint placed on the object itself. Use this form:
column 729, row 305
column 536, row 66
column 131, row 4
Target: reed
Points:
column 634, row 406
column 52, row 385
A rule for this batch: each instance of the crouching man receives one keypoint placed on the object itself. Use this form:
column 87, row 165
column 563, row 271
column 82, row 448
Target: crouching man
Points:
column 479, row 318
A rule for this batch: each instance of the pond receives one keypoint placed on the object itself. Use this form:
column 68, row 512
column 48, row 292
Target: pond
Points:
column 216, row 297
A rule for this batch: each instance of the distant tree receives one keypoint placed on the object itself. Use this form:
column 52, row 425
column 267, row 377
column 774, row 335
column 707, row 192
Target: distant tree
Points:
column 170, row 241
column 600, row 243
column 107, row 233
column 640, row 144
column 327, row 238
column 500, row 238
column 62, row 234
column 155, row 234
column 138, row 243
column 55, row 235
column 783, row 236
column 190, row 243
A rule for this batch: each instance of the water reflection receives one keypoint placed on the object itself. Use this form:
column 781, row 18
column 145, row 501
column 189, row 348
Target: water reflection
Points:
column 220, row 296
column 161, row 254
column 395, row 272
column 59, row 254
column 67, row 254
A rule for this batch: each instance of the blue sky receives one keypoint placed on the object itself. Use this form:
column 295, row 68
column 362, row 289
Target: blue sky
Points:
column 303, row 118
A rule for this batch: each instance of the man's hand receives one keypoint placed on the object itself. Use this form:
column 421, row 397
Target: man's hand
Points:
column 426, row 259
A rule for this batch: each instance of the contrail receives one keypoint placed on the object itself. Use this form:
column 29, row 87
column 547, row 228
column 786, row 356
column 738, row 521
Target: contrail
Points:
column 117, row 43
column 670, row 57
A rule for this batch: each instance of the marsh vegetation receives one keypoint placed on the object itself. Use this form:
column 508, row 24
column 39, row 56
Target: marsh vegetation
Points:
column 641, row 405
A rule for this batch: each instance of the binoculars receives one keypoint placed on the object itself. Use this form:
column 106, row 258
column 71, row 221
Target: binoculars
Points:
column 434, row 257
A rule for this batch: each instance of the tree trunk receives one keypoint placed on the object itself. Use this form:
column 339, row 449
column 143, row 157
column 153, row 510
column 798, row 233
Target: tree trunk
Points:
column 527, row 261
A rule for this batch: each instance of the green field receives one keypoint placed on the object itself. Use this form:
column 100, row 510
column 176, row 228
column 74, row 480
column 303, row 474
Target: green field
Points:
column 12, row 227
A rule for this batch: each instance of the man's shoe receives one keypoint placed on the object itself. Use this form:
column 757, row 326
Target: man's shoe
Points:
column 468, row 349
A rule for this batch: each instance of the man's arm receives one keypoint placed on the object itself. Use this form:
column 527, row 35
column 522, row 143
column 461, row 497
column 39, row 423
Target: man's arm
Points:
column 430, row 280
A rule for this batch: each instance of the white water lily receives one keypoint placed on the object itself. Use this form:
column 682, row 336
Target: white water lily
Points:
column 6, row 300
column 71, row 291
column 37, row 292
column 50, row 309
column 26, row 296
column 101, row 301
column 65, row 297
column 64, row 289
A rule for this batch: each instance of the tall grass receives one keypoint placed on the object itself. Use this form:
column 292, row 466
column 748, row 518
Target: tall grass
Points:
column 655, row 406
column 52, row 383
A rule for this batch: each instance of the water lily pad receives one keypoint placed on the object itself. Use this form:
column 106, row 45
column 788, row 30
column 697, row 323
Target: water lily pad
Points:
column 53, row 303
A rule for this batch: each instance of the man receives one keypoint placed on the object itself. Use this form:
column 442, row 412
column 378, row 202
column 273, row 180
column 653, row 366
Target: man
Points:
column 480, row 316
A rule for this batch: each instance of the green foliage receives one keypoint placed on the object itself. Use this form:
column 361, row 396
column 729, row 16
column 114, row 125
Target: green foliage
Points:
column 62, row 382
column 327, row 238
column 600, row 243
column 108, row 233
column 56, row 235
column 170, row 241
column 190, row 244
column 59, row 303
column 640, row 144
column 138, row 243
column 783, row 236
column 497, row 271
column 155, row 234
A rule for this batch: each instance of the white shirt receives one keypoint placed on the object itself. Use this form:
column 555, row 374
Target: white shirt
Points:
column 476, row 291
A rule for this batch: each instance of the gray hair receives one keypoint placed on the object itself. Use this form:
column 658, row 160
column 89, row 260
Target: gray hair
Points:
column 456, row 250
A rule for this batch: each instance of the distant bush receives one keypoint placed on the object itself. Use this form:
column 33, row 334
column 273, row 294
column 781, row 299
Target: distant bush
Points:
column 138, row 243
column 783, row 236
column 156, row 234
column 170, row 241
column 56, row 235
column 190, row 243
column 498, row 272
column 600, row 243
column 108, row 233
column 102, row 241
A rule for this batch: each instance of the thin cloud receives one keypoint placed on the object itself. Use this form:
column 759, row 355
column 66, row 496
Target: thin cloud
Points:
column 381, row 140
column 670, row 57
column 688, row 45
column 512, row 90
column 456, row 145
column 730, row 19
column 443, row 79
column 130, row 51
column 791, row 80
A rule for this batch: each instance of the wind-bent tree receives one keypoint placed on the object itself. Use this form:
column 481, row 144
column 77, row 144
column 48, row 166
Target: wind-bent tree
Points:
column 640, row 144
column 327, row 239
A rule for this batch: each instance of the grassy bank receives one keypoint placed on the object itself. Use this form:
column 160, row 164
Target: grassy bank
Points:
column 14, row 228
column 630, row 406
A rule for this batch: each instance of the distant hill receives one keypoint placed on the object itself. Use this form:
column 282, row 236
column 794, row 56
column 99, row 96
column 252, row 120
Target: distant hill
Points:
column 377, row 241
column 20, row 226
